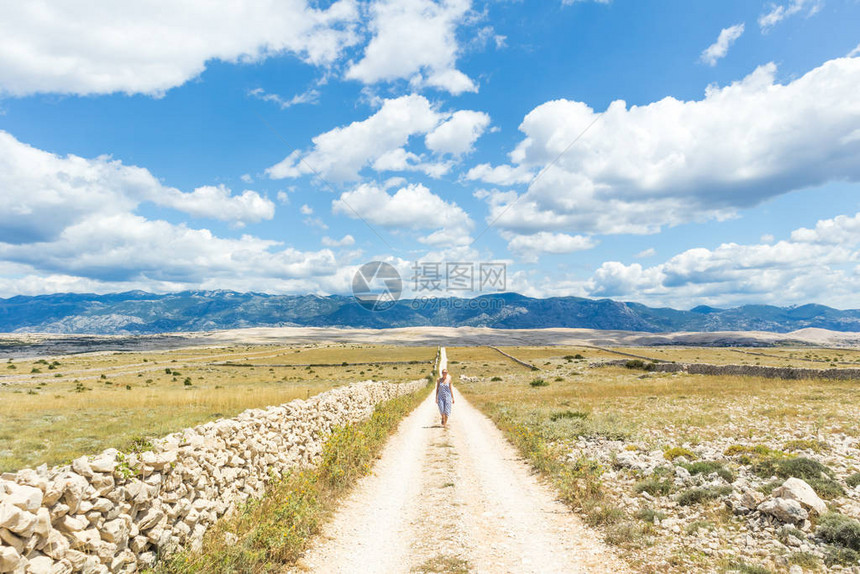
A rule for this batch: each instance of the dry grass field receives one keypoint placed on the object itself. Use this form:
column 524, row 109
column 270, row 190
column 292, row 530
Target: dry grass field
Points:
column 57, row 408
column 608, row 434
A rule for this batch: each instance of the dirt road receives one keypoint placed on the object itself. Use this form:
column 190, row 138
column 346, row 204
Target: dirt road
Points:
column 455, row 499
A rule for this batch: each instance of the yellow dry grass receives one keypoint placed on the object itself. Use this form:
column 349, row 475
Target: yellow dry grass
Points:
column 82, row 404
column 641, row 403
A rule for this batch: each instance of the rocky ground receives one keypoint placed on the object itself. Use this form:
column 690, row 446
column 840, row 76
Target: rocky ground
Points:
column 730, row 502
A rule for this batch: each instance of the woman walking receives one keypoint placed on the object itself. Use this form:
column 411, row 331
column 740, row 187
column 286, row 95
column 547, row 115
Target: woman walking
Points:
column 444, row 395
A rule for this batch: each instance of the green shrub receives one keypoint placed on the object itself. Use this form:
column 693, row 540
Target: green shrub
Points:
column 742, row 567
column 806, row 444
column 826, row 488
column 653, row 486
column 539, row 383
column 604, row 515
column 639, row 364
column 805, row 560
column 854, row 480
column 800, row 467
column 838, row 555
column 568, row 415
column 698, row 495
column 840, row 530
column 707, row 467
column 674, row 452
column 496, row 379
column 649, row 514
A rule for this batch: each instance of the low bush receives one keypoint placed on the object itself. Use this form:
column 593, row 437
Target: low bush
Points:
column 653, row 486
column 568, row 415
column 539, row 383
column 826, row 488
column 699, row 495
column 854, row 480
column 840, row 530
column 707, row 467
column 649, row 515
column 806, row 444
column 639, row 364
column 675, row 452
column 800, row 467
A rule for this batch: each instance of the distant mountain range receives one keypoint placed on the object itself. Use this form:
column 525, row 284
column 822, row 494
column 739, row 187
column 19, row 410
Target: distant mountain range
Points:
column 138, row 312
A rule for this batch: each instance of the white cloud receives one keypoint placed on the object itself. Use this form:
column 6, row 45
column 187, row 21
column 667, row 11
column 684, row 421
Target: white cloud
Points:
column 855, row 52
column 645, row 253
column 44, row 193
column 841, row 230
column 457, row 135
column 246, row 178
column 815, row 265
column 341, row 153
column 306, row 209
column 571, row 2
column 415, row 40
column 670, row 162
column 410, row 208
column 720, row 48
column 344, row 241
column 310, row 96
column 102, row 46
column 217, row 203
column 500, row 175
column 124, row 247
column 530, row 247
column 779, row 12
column 380, row 141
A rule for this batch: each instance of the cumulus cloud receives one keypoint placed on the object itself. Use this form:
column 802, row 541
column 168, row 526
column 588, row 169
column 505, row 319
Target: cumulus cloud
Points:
column 643, row 167
column 102, row 47
column 44, row 193
column 68, row 224
column 415, row 40
column 344, row 241
column 720, row 48
column 380, row 141
column 409, row 208
column 530, row 247
column 457, row 135
column 500, row 175
column 125, row 247
column 818, row 264
column 778, row 12
column 216, row 202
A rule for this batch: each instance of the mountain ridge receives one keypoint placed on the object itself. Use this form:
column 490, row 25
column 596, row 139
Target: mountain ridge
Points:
column 139, row 312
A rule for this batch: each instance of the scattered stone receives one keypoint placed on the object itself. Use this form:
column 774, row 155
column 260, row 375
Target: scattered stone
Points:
column 799, row 490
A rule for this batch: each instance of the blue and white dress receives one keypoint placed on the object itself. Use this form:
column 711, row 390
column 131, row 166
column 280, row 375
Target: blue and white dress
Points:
column 444, row 398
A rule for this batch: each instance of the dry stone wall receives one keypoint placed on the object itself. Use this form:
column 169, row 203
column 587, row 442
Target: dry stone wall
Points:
column 792, row 373
column 117, row 512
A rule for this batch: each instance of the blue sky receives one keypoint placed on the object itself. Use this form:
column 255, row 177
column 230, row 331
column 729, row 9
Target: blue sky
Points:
column 670, row 153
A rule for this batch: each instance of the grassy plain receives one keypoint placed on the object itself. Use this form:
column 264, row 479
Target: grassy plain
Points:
column 54, row 409
column 574, row 422
column 636, row 404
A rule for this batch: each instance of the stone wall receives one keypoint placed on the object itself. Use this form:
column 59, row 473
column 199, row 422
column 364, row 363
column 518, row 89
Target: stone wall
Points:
column 792, row 373
column 116, row 512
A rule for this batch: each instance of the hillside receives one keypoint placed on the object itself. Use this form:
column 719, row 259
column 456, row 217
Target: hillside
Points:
column 137, row 312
